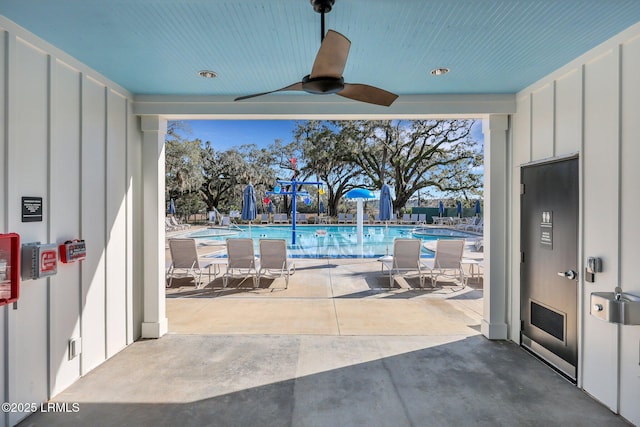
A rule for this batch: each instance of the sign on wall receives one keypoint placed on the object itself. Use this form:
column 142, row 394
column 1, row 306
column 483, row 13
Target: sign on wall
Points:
column 32, row 209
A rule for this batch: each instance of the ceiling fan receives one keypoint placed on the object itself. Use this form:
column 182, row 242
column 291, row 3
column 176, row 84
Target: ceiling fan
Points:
column 326, row 73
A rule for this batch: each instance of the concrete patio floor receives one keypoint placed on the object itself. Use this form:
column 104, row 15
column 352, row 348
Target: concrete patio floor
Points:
column 327, row 297
column 335, row 349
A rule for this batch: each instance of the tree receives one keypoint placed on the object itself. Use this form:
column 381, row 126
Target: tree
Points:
column 183, row 166
column 286, row 161
column 216, row 185
column 424, row 155
column 189, row 203
column 415, row 155
column 260, row 170
column 226, row 173
column 183, row 169
column 324, row 149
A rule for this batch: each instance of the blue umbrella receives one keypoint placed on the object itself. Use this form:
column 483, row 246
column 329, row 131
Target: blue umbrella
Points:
column 385, row 210
column 441, row 208
column 270, row 207
column 172, row 207
column 321, row 207
column 249, row 211
column 459, row 208
column 477, row 207
column 385, row 203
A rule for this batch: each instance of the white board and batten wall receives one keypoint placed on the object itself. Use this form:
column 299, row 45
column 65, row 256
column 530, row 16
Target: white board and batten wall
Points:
column 66, row 135
column 591, row 107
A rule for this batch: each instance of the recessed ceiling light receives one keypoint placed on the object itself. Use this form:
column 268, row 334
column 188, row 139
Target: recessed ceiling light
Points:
column 208, row 74
column 439, row 71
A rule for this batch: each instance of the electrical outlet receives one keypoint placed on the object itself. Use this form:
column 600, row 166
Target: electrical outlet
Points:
column 75, row 347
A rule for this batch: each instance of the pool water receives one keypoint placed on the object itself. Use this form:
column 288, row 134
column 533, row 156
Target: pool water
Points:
column 325, row 241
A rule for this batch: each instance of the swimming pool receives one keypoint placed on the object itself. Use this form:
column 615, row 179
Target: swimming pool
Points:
column 326, row 241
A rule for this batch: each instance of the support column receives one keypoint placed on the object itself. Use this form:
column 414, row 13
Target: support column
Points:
column 359, row 221
column 494, row 322
column 154, row 128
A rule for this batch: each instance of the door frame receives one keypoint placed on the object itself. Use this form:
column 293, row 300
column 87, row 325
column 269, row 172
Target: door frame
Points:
column 517, row 315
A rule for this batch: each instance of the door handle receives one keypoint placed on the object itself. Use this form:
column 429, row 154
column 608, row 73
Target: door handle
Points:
column 570, row 274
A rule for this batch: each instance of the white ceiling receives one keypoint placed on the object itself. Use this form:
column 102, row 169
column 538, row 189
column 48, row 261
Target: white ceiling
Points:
column 156, row 47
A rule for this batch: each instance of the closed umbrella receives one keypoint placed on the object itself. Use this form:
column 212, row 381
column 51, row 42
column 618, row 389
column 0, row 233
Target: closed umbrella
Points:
column 172, row 207
column 249, row 211
column 477, row 207
column 321, row 208
column 385, row 211
column 459, row 208
column 441, row 208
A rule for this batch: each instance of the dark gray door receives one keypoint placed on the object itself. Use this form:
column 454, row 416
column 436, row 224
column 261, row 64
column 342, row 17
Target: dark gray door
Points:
column 549, row 263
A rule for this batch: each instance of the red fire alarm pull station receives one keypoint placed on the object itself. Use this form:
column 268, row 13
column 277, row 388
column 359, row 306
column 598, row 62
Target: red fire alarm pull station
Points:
column 39, row 260
column 9, row 268
column 73, row 250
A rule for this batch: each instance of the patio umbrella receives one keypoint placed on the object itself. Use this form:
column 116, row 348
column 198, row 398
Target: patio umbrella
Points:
column 477, row 207
column 441, row 208
column 172, row 207
column 249, row 211
column 321, row 207
column 385, row 211
column 459, row 208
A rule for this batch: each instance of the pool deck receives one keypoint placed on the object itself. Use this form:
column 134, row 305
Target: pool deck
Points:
column 334, row 296
column 325, row 297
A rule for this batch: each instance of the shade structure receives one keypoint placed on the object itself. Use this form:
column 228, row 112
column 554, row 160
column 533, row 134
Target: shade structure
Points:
column 459, row 208
column 385, row 209
column 477, row 207
column 441, row 208
column 172, row 207
column 360, row 194
column 249, row 211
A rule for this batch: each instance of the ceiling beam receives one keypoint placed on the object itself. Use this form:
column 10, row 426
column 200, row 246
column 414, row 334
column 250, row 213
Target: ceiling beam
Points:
column 323, row 107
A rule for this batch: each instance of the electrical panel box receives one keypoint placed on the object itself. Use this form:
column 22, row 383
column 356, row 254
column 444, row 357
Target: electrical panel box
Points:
column 39, row 260
column 73, row 250
column 9, row 268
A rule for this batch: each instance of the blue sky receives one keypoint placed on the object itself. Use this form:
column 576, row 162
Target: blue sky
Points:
column 225, row 134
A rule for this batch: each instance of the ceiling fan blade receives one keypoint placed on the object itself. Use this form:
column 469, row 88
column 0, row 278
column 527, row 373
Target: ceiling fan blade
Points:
column 332, row 56
column 366, row 93
column 295, row 86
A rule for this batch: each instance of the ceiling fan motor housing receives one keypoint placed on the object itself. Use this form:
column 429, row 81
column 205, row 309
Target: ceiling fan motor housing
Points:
column 322, row 85
column 322, row 6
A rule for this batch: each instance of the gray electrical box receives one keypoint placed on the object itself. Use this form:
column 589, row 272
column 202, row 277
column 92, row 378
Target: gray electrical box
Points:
column 38, row 260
